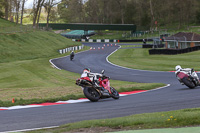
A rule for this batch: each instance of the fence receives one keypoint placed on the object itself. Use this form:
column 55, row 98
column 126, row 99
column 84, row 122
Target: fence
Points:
column 65, row 50
column 173, row 51
column 110, row 40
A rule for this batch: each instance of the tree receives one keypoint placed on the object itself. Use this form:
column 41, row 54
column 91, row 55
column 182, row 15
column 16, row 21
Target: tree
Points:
column 22, row 10
column 40, row 8
column 72, row 11
column 37, row 4
column 17, row 6
column 48, row 6
column 6, row 6
column 122, row 6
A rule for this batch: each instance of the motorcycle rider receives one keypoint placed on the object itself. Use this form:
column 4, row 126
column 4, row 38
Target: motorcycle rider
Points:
column 93, row 77
column 190, row 71
column 72, row 54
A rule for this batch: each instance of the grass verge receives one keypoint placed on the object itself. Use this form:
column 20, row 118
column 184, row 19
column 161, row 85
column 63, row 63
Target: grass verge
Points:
column 178, row 118
column 140, row 59
column 36, row 81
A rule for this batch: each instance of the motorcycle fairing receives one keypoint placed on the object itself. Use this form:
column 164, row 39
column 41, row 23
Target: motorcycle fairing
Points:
column 181, row 75
column 106, row 84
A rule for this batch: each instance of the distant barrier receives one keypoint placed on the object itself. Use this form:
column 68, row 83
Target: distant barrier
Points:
column 90, row 26
column 173, row 51
column 65, row 50
column 136, row 40
column 153, row 46
column 109, row 40
column 95, row 40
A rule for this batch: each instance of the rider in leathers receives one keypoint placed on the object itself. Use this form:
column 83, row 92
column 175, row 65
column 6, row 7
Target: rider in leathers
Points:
column 189, row 71
column 72, row 54
column 93, row 77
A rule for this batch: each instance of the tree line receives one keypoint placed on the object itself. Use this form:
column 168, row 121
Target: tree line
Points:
column 11, row 9
column 145, row 13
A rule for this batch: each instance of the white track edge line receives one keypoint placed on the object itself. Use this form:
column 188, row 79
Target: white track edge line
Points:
column 24, row 130
column 58, row 126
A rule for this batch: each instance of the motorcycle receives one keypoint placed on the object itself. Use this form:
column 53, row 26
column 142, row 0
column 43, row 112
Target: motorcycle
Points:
column 94, row 91
column 71, row 56
column 187, row 79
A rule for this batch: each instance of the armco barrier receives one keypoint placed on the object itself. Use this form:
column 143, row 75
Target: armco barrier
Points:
column 94, row 40
column 136, row 40
column 173, row 51
column 152, row 46
column 110, row 40
column 147, row 46
column 65, row 50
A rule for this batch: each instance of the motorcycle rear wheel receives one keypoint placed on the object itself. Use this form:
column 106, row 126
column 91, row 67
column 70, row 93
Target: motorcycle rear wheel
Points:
column 92, row 94
column 114, row 93
column 188, row 82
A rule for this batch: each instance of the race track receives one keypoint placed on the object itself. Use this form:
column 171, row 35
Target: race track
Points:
column 173, row 97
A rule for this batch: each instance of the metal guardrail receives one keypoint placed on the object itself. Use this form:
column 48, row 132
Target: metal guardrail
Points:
column 173, row 51
column 69, row 49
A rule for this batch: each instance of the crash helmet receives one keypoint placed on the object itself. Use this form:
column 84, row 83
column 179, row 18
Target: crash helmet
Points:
column 86, row 70
column 178, row 68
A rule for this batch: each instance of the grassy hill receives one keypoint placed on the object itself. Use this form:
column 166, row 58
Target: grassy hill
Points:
column 31, row 45
column 25, row 71
column 6, row 23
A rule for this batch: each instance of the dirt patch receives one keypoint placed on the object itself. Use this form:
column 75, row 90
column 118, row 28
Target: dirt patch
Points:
column 97, row 130
column 58, row 31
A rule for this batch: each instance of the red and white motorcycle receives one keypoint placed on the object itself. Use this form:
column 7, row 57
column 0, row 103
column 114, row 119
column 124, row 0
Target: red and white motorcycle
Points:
column 186, row 79
column 94, row 91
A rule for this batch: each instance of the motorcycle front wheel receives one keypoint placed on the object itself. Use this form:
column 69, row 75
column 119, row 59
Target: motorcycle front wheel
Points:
column 114, row 93
column 188, row 82
column 92, row 94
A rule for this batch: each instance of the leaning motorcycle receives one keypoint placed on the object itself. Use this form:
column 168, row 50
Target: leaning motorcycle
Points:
column 71, row 57
column 187, row 79
column 94, row 91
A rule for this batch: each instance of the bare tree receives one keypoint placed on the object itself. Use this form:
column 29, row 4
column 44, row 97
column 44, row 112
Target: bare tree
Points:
column 6, row 5
column 48, row 6
column 121, row 8
column 40, row 8
column 17, row 7
column 22, row 11
column 36, row 6
column 152, row 15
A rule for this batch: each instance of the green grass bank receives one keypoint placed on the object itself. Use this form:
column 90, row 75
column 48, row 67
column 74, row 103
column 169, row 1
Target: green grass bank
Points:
column 138, row 58
column 172, row 119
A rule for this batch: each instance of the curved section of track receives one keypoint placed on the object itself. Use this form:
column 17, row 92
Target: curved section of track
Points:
column 171, row 98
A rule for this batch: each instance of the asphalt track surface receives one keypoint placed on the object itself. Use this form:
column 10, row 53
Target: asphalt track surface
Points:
column 173, row 97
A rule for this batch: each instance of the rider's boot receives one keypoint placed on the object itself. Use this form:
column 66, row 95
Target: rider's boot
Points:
column 181, row 82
